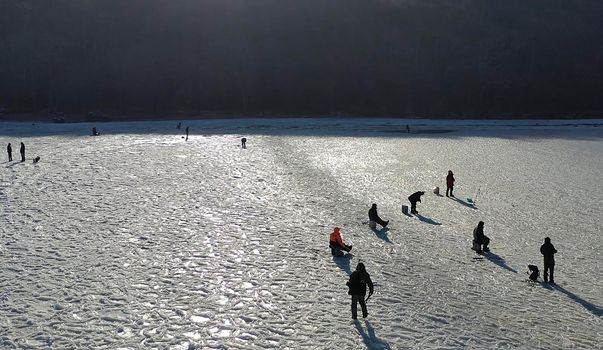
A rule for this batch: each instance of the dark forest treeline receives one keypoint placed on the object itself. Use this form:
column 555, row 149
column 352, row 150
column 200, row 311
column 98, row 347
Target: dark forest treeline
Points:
column 374, row 57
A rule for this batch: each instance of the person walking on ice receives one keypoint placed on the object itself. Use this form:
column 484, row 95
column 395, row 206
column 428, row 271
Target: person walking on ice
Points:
column 243, row 142
column 336, row 243
column 374, row 218
column 186, row 139
column 480, row 241
column 9, row 150
column 22, row 151
column 359, row 279
column 449, row 183
column 414, row 198
column 548, row 252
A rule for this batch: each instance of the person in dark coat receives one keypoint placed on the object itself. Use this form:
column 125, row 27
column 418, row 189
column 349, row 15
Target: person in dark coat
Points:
column 9, row 150
column 449, row 183
column 22, row 151
column 480, row 241
column 414, row 198
column 94, row 132
column 359, row 279
column 186, row 139
column 374, row 217
column 243, row 141
column 548, row 251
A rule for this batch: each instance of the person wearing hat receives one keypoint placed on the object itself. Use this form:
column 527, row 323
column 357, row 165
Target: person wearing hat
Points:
column 336, row 243
column 548, row 252
column 374, row 217
column 359, row 279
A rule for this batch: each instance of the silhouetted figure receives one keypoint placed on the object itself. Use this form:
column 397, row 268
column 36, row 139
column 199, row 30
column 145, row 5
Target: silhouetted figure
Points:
column 357, row 284
column 36, row 159
column 480, row 241
column 533, row 272
column 449, row 183
column 374, row 217
column 22, row 151
column 407, row 129
column 94, row 132
column 243, row 141
column 9, row 150
column 179, row 126
column 186, row 139
column 336, row 243
column 548, row 251
column 414, row 198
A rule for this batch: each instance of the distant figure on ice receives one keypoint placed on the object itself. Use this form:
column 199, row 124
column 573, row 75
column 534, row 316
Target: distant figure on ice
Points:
column 22, row 151
column 480, row 241
column 186, row 139
column 533, row 272
column 414, row 198
column 9, row 150
column 36, row 159
column 179, row 126
column 94, row 132
column 336, row 243
column 548, row 251
column 243, row 141
column 357, row 284
column 449, row 183
column 407, row 129
column 374, row 218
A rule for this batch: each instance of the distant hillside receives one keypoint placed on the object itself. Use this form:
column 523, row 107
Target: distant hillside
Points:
column 370, row 57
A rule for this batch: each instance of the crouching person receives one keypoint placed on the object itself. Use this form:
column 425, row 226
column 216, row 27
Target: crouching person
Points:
column 336, row 243
column 480, row 241
column 359, row 279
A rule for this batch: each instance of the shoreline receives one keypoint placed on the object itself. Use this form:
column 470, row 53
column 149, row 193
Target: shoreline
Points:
column 77, row 118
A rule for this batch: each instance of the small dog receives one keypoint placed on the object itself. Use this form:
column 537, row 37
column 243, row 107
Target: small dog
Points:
column 36, row 159
column 533, row 272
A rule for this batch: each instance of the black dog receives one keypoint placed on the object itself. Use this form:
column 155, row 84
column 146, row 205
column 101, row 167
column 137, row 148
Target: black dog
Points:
column 533, row 272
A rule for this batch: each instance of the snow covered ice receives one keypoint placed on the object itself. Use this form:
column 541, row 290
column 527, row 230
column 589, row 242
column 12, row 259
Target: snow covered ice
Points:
column 138, row 239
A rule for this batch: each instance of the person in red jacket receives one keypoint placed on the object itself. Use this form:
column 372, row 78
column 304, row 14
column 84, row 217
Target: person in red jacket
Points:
column 336, row 243
column 449, row 183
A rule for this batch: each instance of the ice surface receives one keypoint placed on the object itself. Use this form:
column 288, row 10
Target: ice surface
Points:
column 138, row 239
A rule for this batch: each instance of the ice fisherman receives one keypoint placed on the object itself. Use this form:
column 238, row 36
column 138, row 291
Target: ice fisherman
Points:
column 374, row 218
column 22, row 151
column 9, row 150
column 449, row 183
column 186, row 139
column 336, row 243
column 243, row 141
column 480, row 241
column 414, row 198
column 357, row 284
column 548, row 251
column 94, row 132
column 179, row 125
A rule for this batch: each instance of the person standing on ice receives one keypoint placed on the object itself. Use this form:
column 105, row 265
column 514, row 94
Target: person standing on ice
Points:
column 374, row 217
column 22, row 151
column 336, row 243
column 414, row 198
column 243, row 142
column 186, row 139
column 357, row 284
column 548, row 251
column 480, row 241
column 9, row 150
column 449, row 183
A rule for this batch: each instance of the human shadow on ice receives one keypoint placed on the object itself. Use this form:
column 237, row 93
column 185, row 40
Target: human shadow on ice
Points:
column 343, row 262
column 594, row 309
column 369, row 338
column 382, row 234
column 498, row 261
column 467, row 204
column 427, row 220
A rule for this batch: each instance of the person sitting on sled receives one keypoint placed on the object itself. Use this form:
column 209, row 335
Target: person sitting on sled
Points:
column 336, row 243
